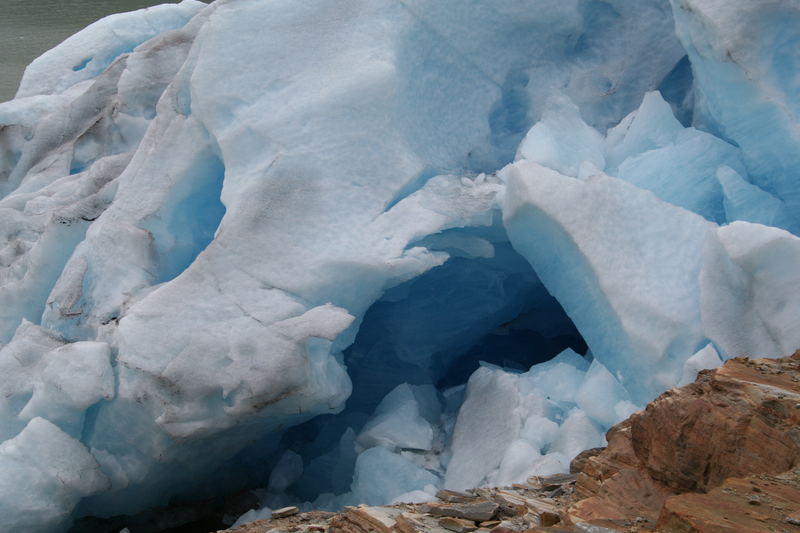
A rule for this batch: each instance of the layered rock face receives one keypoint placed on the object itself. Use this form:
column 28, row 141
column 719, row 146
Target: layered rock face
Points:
column 719, row 455
column 740, row 420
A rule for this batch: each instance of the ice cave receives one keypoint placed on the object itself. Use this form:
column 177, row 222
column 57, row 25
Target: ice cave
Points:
column 337, row 252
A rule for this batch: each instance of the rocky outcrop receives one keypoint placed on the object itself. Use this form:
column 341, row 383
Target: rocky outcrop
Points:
column 719, row 455
column 739, row 420
column 754, row 504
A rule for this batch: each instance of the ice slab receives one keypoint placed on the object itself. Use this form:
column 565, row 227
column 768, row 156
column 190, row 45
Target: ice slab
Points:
column 747, row 297
column 286, row 472
column 585, row 247
column 481, row 430
column 403, row 420
column 382, row 476
column 633, row 294
column 599, row 394
column 706, row 358
column 510, row 427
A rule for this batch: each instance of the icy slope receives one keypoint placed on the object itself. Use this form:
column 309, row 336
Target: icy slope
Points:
column 223, row 221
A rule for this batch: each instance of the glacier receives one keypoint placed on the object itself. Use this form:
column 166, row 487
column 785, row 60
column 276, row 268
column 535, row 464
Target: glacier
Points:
column 306, row 248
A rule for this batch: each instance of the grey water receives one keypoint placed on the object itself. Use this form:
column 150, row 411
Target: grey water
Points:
column 29, row 28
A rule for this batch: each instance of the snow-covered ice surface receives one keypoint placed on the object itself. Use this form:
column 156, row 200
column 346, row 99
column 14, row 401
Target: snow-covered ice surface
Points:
column 474, row 234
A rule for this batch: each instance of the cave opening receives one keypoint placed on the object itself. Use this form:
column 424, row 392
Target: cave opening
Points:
column 484, row 306
column 420, row 342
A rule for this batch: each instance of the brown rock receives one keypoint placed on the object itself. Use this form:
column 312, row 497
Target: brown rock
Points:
column 454, row 496
column 614, row 485
column 377, row 519
column 547, row 519
column 731, row 422
column 284, row 512
column 734, row 421
column 726, row 509
column 541, row 505
column 459, row 525
column 477, row 511
column 557, row 480
column 418, row 523
column 577, row 464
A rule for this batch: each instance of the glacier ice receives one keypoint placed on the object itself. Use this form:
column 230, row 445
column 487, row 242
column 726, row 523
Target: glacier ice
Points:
column 45, row 473
column 601, row 396
column 90, row 52
column 634, row 295
column 744, row 60
column 538, row 433
column 561, row 140
column 488, row 393
column 288, row 470
column 746, row 284
column 312, row 247
column 404, row 419
column 705, row 358
column 377, row 465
